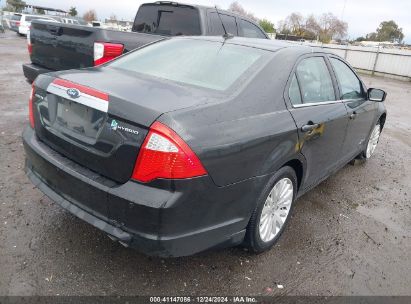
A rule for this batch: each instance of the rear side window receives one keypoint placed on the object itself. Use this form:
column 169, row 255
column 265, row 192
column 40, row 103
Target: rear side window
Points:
column 206, row 64
column 350, row 85
column 167, row 20
column 294, row 91
column 250, row 30
column 216, row 28
column 315, row 80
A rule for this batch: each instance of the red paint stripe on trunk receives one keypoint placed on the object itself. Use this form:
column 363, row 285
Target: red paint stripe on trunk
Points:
column 86, row 90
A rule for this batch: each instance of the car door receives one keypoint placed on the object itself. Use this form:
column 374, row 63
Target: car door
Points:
column 321, row 119
column 361, row 111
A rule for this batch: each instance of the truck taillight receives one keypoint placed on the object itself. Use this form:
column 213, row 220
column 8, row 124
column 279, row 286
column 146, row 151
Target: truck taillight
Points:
column 165, row 155
column 31, row 104
column 29, row 45
column 104, row 52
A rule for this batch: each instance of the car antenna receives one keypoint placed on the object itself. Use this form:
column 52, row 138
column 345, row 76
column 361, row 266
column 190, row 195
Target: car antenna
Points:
column 226, row 35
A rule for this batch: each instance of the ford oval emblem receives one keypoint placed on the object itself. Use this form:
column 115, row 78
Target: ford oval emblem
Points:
column 73, row 93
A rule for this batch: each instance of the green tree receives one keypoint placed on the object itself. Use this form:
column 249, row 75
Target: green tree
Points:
column 361, row 38
column 371, row 36
column 40, row 11
column 389, row 31
column 267, row 26
column 73, row 11
column 15, row 5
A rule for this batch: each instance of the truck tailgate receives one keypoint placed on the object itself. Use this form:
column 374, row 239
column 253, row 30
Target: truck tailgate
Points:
column 57, row 46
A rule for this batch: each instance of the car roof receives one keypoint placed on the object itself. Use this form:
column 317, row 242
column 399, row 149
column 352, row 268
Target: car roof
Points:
column 200, row 6
column 204, row 8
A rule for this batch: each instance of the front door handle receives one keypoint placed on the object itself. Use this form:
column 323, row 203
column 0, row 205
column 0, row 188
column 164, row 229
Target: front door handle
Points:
column 353, row 115
column 309, row 127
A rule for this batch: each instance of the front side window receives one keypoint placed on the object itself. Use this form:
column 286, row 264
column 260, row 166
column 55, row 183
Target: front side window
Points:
column 350, row 85
column 216, row 28
column 315, row 80
column 250, row 30
column 207, row 64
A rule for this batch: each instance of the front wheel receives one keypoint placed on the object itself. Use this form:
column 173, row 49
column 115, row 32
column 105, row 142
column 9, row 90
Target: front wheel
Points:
column 372, row 142
column 273, row 211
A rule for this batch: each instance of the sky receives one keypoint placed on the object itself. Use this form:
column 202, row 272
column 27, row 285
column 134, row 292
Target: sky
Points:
column 362, row 16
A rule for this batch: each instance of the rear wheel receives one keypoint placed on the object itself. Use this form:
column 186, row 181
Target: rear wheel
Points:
column 273, row 211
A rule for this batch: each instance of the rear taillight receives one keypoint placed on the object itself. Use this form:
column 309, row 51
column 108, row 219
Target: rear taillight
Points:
column 31, row 104
column 104, row 52
column 165, row 155
column 29, row 45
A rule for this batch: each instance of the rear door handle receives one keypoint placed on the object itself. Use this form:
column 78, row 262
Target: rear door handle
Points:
column 309, row 127
column 353, row 115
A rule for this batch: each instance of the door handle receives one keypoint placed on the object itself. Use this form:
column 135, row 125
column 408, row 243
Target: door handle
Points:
column 54, row 30
column 353, row 115
column 309, row 127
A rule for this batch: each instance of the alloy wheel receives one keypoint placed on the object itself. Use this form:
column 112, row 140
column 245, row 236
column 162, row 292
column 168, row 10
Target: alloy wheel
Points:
column 373, row 141
column 276, row 209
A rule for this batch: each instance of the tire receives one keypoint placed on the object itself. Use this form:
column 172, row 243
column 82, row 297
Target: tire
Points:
column 257, row 238
column 372, row 143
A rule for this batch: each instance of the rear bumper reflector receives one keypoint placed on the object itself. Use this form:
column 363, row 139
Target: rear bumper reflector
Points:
column 84, row 95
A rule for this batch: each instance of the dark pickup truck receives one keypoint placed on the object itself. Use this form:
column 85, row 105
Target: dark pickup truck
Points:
column 54, row 46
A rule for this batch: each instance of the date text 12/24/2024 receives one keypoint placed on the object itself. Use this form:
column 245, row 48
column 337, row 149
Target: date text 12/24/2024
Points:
column 204, row 299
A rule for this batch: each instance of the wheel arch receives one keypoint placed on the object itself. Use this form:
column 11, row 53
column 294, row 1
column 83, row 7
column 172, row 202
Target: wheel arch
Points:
column 382, row 119
column 298, row 167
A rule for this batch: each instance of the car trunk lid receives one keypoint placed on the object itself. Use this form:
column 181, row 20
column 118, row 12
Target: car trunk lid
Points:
column 100, row 125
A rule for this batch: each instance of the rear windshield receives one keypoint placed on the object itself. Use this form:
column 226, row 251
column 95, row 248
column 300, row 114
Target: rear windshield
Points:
column 207, row 64
column 167, row 20
column 16, row 17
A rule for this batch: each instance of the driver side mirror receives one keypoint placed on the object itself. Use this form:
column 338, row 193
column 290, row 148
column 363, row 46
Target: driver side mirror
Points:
column 376, row 95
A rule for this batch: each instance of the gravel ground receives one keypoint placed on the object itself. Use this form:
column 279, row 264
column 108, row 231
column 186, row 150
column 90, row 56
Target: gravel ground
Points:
column 349, row 236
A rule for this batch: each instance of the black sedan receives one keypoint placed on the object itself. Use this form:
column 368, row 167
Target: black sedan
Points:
column 197, row 143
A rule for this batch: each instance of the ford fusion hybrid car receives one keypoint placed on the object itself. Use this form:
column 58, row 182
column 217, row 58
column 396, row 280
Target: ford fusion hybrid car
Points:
column 194, row 143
